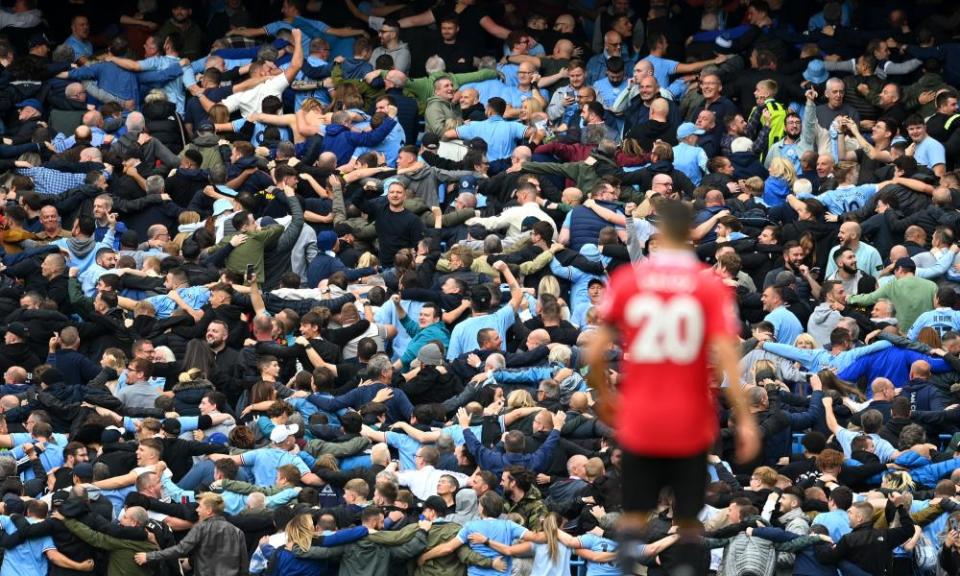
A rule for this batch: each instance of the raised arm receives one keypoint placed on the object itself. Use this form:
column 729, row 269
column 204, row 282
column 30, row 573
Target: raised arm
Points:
column 297, row 62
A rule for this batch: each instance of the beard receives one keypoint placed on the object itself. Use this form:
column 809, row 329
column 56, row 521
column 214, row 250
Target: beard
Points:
column 849, row 270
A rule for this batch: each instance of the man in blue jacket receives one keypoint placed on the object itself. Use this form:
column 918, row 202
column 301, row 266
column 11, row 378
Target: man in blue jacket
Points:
column 342, row 141
column 496, row 461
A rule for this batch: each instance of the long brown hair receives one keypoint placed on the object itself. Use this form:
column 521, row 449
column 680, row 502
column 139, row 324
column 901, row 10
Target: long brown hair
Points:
column 830, row 381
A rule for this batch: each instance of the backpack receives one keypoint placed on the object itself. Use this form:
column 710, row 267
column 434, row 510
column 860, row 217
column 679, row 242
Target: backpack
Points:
column 749, row 556
column 165, row 539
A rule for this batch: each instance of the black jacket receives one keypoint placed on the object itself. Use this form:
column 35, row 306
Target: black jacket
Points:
column 869, row 548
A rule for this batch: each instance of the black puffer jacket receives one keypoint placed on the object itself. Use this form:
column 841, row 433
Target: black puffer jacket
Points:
column 431, row 386
column 164, row 124
column 187, row 395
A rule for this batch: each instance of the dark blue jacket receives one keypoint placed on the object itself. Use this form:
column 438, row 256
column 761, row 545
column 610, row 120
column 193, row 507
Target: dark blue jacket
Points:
column 585, row 225
column 924, row 396
column 497, row 461
column 806, row 563
column 76, row 367
column 399, row 407
column 324, row 265
column 342, row 141
column 408, row 113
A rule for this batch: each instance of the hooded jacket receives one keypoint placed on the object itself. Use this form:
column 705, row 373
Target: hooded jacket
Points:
column 209, row 147
column 425, row 182
column 342, row 141
column 163, row 124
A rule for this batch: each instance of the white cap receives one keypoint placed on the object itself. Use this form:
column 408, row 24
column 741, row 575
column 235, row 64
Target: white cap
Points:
column 281, row 432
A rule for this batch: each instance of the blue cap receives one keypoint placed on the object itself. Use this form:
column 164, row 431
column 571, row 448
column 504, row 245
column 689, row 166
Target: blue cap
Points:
column 815, row 72
column 31, row 102
column 688, row 129
column 468, row 184
column 221, row 206
column 217, row 438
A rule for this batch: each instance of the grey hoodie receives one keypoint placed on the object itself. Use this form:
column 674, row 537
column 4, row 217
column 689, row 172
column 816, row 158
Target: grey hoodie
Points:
column 822, row 322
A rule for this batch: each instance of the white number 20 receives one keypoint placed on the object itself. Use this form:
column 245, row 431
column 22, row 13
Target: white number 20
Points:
column 667, row 330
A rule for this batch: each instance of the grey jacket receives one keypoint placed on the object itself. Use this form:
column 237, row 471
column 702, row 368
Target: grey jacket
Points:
column 215, row 547
column 424, row 183
column 277, row 259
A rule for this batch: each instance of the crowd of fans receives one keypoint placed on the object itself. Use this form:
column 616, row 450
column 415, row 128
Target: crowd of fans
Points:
column 314, row 287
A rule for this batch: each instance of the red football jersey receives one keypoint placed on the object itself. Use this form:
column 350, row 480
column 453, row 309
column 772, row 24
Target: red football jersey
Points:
column 667, row 310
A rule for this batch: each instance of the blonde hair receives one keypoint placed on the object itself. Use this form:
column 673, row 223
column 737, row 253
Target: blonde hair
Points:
column 155, row 95
column 783, row 168
column 550, row 524
column 311, row 104
column 212, row 501
column 299, row 531
column 188, row 217
column 755, row 185
column 594, row 468
column 805, row 338
column 349, row 314
column 899, row 480
column 532, row 106
column 367, row 260
column 520, row 399
column 549, row 285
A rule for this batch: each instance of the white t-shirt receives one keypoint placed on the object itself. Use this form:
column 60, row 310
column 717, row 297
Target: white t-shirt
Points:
column 249, row 101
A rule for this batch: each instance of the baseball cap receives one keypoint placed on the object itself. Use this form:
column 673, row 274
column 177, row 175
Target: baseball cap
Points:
column 205, row 127
column 281, row 432
column 688, row 129
column 906, row 264
column 217, row 438
column 430, row 141
column 19, row 329
column 326, row 240
column 528, row 223
column 221, row 206
column 31, row 102
column 467, row 184
column 38, row 39
column 83, row 471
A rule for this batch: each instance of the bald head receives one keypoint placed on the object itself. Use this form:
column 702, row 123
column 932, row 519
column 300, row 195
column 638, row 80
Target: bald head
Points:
column 523, row 153
column 714, row 198
column 538, row 337
column 563, row 49
column 579, row 402
column 659, row 108
column 82, row 133
column 920, row 370
column 93, row 119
